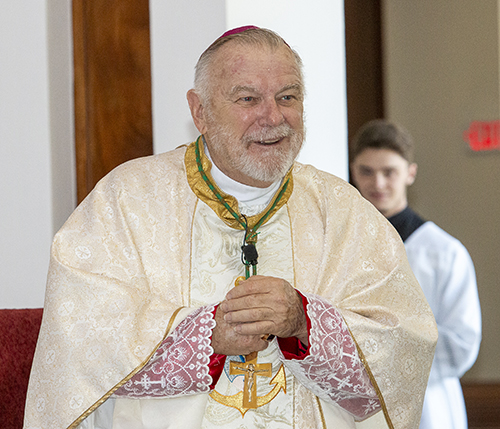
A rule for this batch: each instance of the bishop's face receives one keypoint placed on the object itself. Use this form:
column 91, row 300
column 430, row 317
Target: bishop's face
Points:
column 253, row 122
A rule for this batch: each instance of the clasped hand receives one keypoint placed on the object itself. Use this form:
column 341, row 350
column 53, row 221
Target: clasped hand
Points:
column 258, row 306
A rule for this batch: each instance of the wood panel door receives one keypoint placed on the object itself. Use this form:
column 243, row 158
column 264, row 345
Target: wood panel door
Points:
column 364, row 74
column 112, row 71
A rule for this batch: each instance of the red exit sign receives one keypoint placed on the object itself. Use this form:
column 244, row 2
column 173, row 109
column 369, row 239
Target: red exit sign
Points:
column 483, row 135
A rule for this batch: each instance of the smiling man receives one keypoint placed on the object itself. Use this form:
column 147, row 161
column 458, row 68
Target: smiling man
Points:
column 223, row 285
column 382, row 168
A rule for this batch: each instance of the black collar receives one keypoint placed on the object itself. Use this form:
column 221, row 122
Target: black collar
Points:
column 406, row 222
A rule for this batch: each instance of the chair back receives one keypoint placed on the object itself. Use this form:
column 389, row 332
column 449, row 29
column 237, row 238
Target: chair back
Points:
column 18, row 335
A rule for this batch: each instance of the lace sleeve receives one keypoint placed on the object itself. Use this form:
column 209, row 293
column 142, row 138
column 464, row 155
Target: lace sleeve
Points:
column 180, row 366
column 333, row 370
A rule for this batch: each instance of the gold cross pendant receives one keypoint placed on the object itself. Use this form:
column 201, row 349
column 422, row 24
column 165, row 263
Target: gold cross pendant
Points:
column 251, row 369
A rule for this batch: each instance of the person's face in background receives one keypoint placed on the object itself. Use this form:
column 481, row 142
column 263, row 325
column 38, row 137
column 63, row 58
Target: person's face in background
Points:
column 382, row 176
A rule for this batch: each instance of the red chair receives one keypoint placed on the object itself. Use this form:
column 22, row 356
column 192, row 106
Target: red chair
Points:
column 18, row 334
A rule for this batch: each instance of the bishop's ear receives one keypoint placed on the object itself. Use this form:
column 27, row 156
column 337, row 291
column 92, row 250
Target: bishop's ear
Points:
column 197, row 110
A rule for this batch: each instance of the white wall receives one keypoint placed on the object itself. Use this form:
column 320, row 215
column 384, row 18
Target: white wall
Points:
column 315, row 30
column 61, row 110
column 37, row 185
column 180, row 32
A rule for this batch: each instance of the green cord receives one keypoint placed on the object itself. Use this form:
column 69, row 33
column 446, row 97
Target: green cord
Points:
column 250, row 235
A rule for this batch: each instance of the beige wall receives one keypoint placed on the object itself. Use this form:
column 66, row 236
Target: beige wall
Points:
column 441, row 66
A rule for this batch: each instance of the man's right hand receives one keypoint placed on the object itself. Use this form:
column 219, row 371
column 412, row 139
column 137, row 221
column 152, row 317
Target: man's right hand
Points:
column 226, row 341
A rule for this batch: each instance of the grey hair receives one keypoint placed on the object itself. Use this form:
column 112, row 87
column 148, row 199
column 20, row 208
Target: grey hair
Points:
column 253, row 36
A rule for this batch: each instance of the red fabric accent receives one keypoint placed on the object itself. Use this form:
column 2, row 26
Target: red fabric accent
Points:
column 292, row 348
column 216, row 364
column 18, row 335
column 238, row 30
column 241, row 30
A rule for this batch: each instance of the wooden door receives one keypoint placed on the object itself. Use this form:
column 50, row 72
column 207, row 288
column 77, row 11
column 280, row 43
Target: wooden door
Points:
column 112, row 71
column 364, row 78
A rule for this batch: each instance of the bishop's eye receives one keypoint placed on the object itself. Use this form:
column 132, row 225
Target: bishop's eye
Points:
column 248, row 99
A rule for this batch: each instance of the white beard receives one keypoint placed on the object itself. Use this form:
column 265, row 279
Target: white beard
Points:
column 270, row 168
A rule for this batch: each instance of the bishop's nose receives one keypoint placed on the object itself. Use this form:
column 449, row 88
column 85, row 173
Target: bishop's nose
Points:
column 271, row 114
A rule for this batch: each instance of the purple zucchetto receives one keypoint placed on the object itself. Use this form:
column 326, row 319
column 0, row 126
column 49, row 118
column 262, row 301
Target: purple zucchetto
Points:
column 241, row 30
column 238, row 30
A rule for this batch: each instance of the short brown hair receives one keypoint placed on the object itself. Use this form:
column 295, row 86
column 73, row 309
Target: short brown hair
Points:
column 382, row 134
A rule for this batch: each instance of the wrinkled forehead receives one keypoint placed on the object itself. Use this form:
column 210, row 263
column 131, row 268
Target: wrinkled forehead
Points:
column 236, row 59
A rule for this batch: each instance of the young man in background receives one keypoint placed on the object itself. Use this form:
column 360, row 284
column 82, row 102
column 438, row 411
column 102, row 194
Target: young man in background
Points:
column 382, row 168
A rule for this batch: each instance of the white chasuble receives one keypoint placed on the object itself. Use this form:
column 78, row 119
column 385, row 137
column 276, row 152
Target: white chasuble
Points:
column 135, row 274
column 217, row 256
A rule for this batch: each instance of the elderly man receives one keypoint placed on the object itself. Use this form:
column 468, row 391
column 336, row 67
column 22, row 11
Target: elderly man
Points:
column 222, row 285
column 382, row 169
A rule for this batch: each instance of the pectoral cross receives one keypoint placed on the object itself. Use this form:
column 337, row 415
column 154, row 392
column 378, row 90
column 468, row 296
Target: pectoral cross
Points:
column 251, row 369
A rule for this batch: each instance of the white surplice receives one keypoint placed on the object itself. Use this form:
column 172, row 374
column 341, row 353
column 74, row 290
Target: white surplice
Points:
column 446, row 273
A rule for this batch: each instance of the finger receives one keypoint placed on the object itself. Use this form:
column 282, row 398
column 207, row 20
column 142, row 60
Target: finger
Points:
column 251, row 286
column 249, row 315
column 258, row 329
column 247, row 302
column 235, row 344
column 259, row 345
column 274, row 303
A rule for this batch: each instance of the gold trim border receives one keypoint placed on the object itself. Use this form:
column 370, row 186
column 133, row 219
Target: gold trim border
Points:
column 320, row 409
column 204, row 193
column 105, row 397
column 374, row 383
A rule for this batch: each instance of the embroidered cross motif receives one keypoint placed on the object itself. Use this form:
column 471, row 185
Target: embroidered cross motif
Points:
column 252, row 401
column 251, row 369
